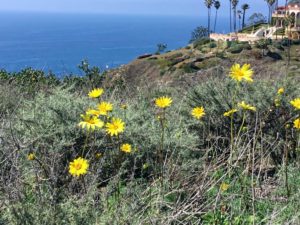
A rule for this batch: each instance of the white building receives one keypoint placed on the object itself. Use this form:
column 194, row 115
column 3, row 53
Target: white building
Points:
column 290, row 15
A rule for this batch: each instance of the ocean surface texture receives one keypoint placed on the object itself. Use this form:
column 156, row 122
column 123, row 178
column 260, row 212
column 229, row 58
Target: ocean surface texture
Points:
column 59, row 42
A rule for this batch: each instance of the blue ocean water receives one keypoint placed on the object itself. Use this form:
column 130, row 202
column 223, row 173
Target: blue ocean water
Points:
column 59, row 42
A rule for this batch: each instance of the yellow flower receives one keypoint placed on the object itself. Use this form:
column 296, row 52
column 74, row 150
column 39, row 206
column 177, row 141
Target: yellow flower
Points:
column 198, row 112
column 280, row 91
column 297, row 123
column 123, row 106
column 31, row 156
column 126, row 148
column 277, row 102
column 239, row 73
column 230, row 112
column 224, row 187
column 104, row 108
column 163, row 102
column 78, row 167
column 93, row 112
column 96, row 93
column 245, row 106
column 145, row 166
column 296, row 103
column 90, row 122
column 115, row 127
column 98, row 155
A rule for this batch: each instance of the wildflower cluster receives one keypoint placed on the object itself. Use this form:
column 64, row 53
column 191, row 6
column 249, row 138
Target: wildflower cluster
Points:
column 102, row 118
column 98, row 118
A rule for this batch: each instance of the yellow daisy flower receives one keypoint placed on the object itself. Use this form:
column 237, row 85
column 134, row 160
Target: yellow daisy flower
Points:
column 96, row 93
column 90, row 122
column 280, row 91
column 245, row 106
column 126, row 148
column 239, row 73
column 115, row 127
column 277, row 102
column 163, row 102
column 98, row 155
column 104, row 108
column 31, row 156
column 93, row 112
column 198, row 112
column 78, row 167
column 297, row 123
column 224, row 187
column 230, row 112
column 296, row 103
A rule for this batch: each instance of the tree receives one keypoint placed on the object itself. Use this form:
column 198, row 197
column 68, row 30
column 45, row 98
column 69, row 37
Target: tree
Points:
column 234, row 5
column 230, row 17
column 208, row 4
column 244, row 8
column 270, row 6
column 161, row 48
column 257, row 18
column 217, row 5
column 239, row 12
column 199, row 33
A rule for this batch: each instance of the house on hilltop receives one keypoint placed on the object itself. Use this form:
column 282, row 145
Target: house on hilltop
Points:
column 288, row 14
column 285, row 23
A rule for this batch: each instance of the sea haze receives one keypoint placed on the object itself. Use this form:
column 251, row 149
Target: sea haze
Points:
column 59, row 42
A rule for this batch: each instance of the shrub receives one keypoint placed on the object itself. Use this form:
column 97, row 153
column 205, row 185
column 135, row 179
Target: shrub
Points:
column 212, row 45
column 236, row 49
column 200, row 42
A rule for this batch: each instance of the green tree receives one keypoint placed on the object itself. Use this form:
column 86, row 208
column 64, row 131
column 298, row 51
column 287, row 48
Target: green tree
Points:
column 270, row 6
column 230, row 17
column 256, row 18
column 245, row 7
column 161, row 48
column 208, row 4
column 217, row 5
column 199, row 33
column 234, row 5
column 239, row 12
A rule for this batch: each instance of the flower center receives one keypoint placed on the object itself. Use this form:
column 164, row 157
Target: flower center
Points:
column 115, row 126
column 239, row 73
column 78, row 166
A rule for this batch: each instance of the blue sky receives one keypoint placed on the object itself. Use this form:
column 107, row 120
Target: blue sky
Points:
column 167, row 7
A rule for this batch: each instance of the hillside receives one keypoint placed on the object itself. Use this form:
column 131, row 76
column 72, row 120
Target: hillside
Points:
column 189, row 65
column 207, row 134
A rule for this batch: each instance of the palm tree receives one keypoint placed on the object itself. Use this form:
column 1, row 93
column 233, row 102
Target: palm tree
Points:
column 208, row 4
column 270, row 5
column 276, row 4
column 230, row 23
column 217, row 5
column 239, row 12
column 234, row 5
column 244, row 8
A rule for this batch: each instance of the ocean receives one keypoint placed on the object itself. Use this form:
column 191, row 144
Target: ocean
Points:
column 59, row 42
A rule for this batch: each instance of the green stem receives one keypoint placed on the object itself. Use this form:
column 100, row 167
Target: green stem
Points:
column 84, row 186
column 231, row 140
column 242, row 125
column 162, row 121
column 120, row 163
column 85, row 143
